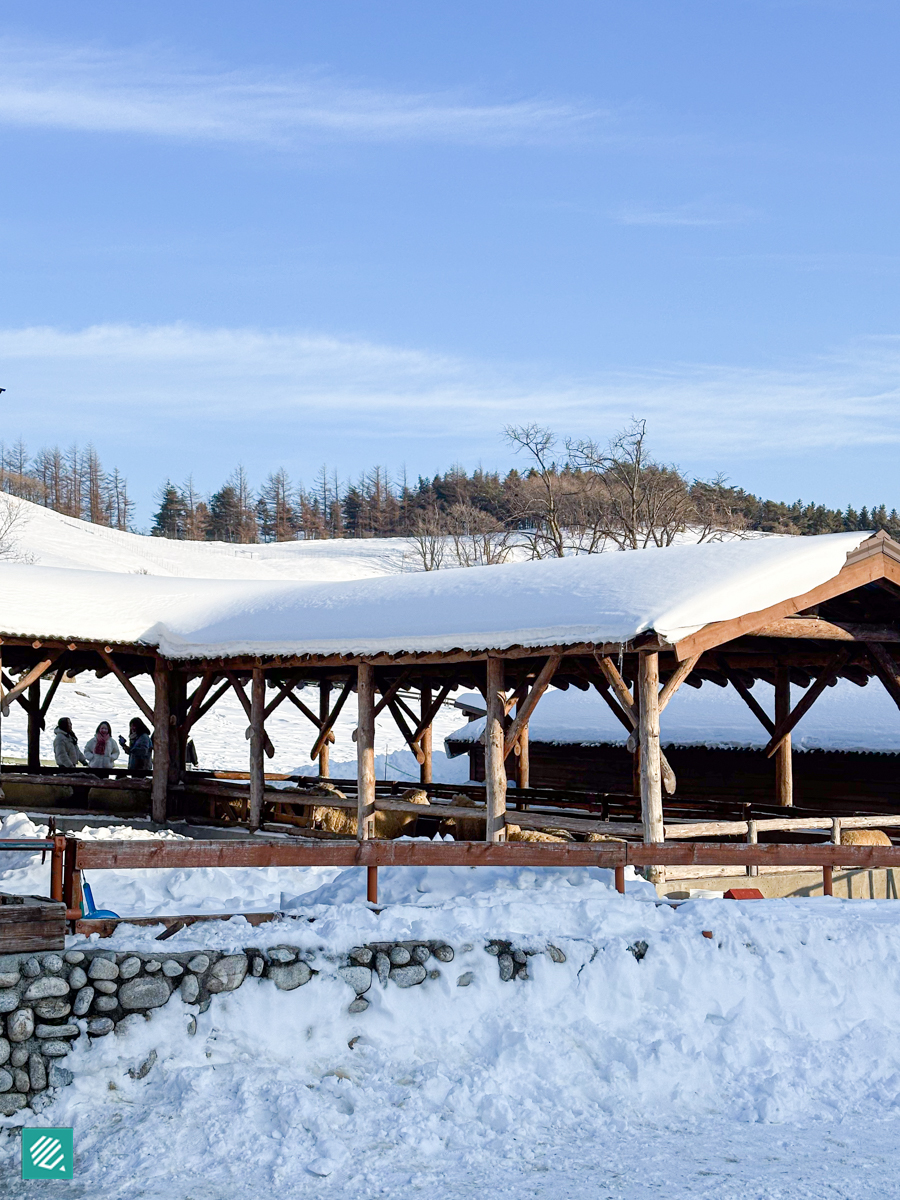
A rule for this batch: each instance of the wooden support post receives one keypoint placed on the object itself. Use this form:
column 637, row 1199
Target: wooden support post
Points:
column 784, row 775
column 828, row 881
column 753, row 839
column 161, row 740
column 620, row 879
column 651, row 767
column 324, row 710
column 365, row 751
column 523, row 762
column 257, row 739
column 178, row 736
column 372, row 885
column 57, row 865
column 425, row 739
column 34, row 726
column 494, row 751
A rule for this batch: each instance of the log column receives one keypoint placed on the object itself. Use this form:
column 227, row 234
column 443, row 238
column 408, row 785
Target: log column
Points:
column 365, row 751
column 523, row 762
column 426, row 740
column 324, row 710
column 651, row 770
column 161, row 739
column 34, row 726
column 784, row 770
column 257, row 742
column 178, row 682
column 494, row 757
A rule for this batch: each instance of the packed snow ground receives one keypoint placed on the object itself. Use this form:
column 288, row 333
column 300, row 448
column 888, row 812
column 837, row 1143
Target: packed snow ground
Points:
column 763, row 1062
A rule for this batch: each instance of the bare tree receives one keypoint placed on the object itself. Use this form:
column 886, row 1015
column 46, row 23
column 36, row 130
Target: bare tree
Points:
column 479, row 540
column 13, row 520
column 428, row 540
column 538, row 502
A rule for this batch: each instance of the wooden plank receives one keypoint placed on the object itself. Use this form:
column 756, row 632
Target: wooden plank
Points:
column 528, row 705
column 107, row 926
column 784, row 726
column 295, row 852
column 763, row 854
column 126, row 683
column 494, row 752
column 257, row 741
column 365, row 751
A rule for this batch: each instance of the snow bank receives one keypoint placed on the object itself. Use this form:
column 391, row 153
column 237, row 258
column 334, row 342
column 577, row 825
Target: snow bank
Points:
column 845, row 717
column 593, row 598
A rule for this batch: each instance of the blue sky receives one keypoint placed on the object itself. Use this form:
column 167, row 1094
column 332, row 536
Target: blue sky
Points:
column 296, row 233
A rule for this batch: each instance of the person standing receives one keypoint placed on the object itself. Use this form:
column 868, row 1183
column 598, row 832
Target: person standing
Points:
column 102, row 750
column 140, row 748
column 66, row 750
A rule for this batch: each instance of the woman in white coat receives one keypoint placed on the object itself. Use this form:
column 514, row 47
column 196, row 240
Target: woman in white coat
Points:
column 102, row 750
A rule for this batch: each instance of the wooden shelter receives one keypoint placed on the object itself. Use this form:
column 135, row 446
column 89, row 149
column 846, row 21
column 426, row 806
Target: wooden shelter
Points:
column 634, row 626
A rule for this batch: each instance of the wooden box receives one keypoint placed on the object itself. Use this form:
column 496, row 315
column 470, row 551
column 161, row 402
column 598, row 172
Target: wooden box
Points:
column 29, row 923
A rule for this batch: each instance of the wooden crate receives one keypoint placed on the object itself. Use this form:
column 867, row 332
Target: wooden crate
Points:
column 30, row 923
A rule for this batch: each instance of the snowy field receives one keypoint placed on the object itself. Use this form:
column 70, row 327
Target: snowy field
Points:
column 763, row 1062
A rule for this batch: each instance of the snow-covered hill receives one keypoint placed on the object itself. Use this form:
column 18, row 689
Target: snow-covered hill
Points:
column 49, row 539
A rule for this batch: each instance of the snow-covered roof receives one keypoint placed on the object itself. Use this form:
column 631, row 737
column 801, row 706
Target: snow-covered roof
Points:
column 612, row 597
column 845, row 717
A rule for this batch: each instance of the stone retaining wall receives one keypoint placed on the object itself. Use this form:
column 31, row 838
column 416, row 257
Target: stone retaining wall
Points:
column 47, row 1001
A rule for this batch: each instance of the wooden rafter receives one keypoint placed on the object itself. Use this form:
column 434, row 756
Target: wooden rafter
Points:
column 328, row 723
column 27, row 680
column 528, row 704
column 126, row 683
column 802, row 707
column 245, row 704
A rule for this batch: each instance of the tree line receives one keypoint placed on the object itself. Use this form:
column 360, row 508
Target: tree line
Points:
column 566, row 496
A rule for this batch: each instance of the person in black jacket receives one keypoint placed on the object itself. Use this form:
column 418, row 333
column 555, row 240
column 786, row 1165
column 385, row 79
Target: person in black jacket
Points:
column 140, row 748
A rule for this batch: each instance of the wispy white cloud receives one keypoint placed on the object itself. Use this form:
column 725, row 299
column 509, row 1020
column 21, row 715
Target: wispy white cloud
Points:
column 685, row 214
column 150, row 92
column 171, row 382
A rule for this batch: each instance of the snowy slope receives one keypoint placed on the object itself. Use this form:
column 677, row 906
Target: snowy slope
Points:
column 845, row 717
column 50, row 539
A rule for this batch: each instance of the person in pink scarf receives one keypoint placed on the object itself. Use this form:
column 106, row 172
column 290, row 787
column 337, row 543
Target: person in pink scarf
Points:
column 102, row 750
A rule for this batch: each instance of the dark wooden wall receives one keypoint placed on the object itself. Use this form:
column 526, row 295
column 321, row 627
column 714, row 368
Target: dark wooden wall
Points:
column 744, row 775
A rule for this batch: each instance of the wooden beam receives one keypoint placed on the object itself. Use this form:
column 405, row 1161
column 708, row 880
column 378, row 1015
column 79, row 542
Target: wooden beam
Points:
column 33, row 676
column 433, row 709
column 34, row 726
column 257, row 740
column 246, row 705
column 615, row 706
column 329, row 721
column 51, row 692
column 9, row 685
column 126, row 683
column 213, row 700
column 828, row 631
column 674, row 682
column 286, row 692
column 886, row 669
column 324, row 705
column 853, row 575
column 161, row 740
column 813, row 692
column 651, row 768
column 365, row 751
column 784, row 765
column 388, row 695
column 618, row 685
column 400, row 721
column 745, row 694
column 528, row 705
column 197, row 697
column 425, row 737
column 494, row 756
